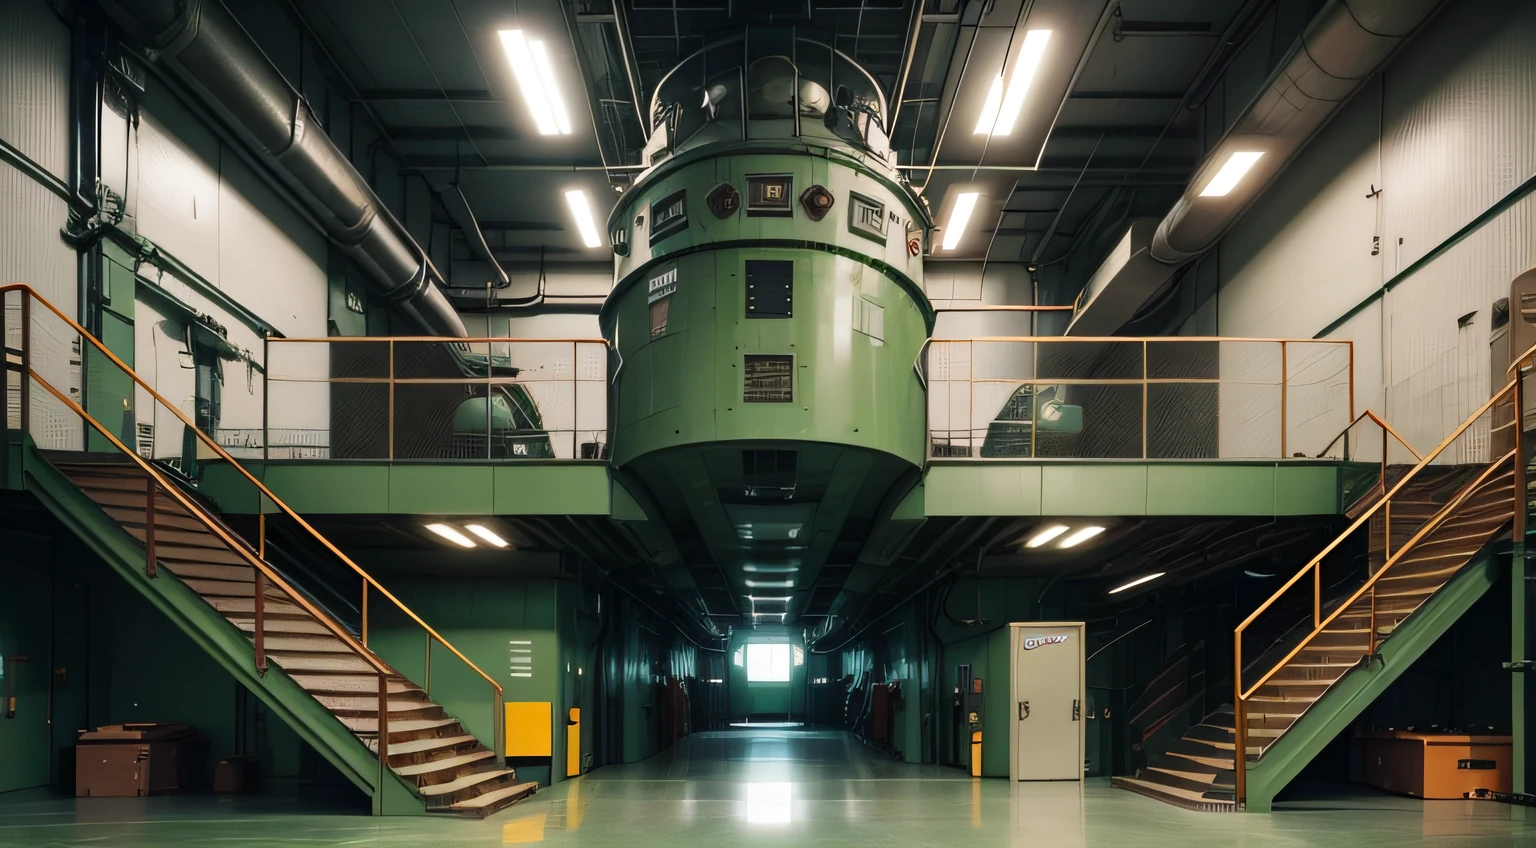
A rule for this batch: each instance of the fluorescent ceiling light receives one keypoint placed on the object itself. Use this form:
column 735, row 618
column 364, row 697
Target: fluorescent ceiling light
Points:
column 1001, row 110
column 770, row 584
column 1046, row 535
column 581, row 210
column 959, row 218
column 452, row 535
column 536, row 79
column 1227, row 178
column 757, row 598
column 1137, row 582
column 1081, row 536
column 771, row 569
column 486, row 535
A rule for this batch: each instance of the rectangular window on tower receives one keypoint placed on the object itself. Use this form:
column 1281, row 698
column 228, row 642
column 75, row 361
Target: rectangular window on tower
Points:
column 770, row 288
column 768, row 379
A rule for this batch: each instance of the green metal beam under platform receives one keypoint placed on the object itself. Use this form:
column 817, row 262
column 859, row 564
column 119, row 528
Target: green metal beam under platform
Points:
column 1137, row 488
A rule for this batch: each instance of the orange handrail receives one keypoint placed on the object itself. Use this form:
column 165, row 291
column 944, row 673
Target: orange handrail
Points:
column 205, row 439
column 441, row 339
column 1368, row 414
column 1314, row 566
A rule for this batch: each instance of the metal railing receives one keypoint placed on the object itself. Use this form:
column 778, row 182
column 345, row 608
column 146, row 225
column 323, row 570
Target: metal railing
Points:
column 1487, row 443
column 427, row 397
column 1149, row 398
column 39, row 400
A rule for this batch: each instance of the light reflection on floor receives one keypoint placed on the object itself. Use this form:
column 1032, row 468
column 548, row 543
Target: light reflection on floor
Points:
column 790, row 788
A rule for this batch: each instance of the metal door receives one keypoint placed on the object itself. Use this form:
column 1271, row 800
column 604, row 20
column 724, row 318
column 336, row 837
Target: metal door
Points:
column 1048, row 702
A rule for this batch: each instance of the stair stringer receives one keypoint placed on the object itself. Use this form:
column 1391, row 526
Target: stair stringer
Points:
column 1346, row 699
column 220, row 639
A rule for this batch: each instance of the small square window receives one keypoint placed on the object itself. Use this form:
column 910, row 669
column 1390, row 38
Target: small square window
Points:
column 770, row 195
column 866, row 217
column 770, row 288
column 768, row 379
column 659, row 311
column 669, row 215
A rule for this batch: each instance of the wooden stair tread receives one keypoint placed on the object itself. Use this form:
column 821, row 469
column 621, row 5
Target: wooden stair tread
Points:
column 370, row 724
column 242, row 574
column 1212, row 762
column 514, row 792
column 284, row 625
column 442, row 765
column 362, row 684
column 1147, row 787
column 370, row 705
column 465, row 782
column 419, row 746
column 320, row 662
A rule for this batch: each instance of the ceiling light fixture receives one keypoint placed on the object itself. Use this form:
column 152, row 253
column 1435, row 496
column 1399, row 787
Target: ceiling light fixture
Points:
column 452, row 535
column 1081, row 536
column 770, row 584
column 581, row 210
column 1046, row 535
column 959, row 218
column 1137, row 582
column 486, row 535
column 1227, row 178
column 536, row 79
column 1001, row 110
column 755, row 598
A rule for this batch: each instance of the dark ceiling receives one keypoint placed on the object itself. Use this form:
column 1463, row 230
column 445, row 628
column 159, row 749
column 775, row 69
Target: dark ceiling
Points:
column 1120, row 138
column 1120, row 116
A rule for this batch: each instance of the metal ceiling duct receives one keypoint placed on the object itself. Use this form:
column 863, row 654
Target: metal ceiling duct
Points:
column 214, row 53
column 1344, row 45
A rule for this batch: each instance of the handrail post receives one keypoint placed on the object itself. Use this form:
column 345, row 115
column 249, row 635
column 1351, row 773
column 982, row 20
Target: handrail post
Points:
column 1317, row 593
column 1239, row 725
column 261, row 621
column 498, row 726
column 365, row 613
column 1518, row 576
column 1145, row 399
column 392, row 400
column 26, row 362
column 426, row 684
column 383, row 735
column 149, row 527
column 1285, row 377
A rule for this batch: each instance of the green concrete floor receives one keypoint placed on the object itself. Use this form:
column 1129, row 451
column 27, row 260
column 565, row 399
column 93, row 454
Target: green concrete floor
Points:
column 778, row 788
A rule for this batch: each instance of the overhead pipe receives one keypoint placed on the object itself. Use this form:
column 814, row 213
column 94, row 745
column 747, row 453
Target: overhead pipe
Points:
column 1347, row 43
column 215, row 54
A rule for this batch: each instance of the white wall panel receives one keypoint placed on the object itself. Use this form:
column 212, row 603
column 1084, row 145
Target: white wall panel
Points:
column 31, row 252
column 34, row 83
column 1459, row 122
column 178, row 184
column 1301, row 257
column 1447, row 132
column 270, row 258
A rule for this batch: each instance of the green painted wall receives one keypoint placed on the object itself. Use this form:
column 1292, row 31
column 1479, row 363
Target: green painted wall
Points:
column 106, row 656
column 488, row 619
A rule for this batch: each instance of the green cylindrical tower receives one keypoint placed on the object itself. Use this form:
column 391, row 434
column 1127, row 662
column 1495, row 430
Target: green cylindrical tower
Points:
column 768, row 311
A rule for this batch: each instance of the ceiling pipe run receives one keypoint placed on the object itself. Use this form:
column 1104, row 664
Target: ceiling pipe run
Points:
column 215, row 54
column 1347, row 43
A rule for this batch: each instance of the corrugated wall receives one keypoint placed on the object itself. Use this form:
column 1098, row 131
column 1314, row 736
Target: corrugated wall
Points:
column 34, row 83
column 1445, row 133
column 34, row 119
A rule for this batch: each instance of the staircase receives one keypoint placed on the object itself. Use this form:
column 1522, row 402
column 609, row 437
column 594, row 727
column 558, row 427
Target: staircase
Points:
column 382, row 731
column 1418, row 553
column 430, row 751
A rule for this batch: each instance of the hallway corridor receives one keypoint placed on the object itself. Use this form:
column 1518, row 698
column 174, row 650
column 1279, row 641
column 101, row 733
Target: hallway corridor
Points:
column 750, row 787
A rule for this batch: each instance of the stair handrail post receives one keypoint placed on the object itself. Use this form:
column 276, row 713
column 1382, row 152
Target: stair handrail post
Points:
column 498, row 727
column 364, row 606
column 149, row 527
column 261, row 621
column 1239, row 725
column 383, row 735
column 25, row 385
column 426, row 684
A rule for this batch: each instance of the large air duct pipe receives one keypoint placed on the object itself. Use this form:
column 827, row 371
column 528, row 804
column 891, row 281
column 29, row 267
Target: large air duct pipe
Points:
column 215, row 55
column 1344, row 45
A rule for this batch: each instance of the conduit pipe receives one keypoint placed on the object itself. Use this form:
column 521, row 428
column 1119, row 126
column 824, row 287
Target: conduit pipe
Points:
column 1345, row 45
column 213, row 53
